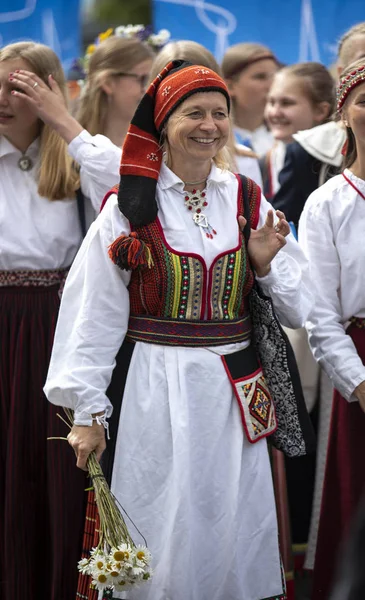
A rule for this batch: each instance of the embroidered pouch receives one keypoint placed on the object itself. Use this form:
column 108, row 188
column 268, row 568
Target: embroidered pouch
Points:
column 252, row 393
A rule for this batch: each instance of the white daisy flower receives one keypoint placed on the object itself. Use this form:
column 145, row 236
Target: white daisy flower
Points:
column 120, row 31
column 137, row 573
column 122, row 554
column 98, row 563
column 142, row 554
column 164, row 35
column 101, row 582
column 84, row 566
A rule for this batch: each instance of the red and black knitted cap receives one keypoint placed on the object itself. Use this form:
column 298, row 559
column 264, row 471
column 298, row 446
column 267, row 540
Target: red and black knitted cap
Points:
column 142, row 154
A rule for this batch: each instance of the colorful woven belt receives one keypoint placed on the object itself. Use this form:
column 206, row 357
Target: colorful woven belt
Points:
column 44, row 278
column 175, row 332
column 358, row 322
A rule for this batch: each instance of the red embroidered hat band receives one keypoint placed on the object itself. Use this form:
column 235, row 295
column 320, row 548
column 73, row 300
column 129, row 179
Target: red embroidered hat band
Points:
column 181, row 84
column 348, row 83
column 142, row 153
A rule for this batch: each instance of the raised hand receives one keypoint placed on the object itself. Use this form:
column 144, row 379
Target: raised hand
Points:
column 265, row 243
column 47, row 102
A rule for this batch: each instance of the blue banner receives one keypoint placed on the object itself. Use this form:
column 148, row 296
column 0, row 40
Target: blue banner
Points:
column 55, row 23
column 296, row 30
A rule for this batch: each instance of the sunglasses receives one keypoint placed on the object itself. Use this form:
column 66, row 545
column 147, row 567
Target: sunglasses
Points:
column 142, row 79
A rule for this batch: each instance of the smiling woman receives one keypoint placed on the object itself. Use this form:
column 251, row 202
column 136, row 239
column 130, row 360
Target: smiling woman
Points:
column 174, row 287
column 196, row 132
column 301, row 97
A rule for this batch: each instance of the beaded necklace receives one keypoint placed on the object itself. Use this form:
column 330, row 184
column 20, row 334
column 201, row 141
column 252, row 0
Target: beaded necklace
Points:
column 196, row 201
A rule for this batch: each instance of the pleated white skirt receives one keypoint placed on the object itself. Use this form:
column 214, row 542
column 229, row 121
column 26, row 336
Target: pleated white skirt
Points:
column 200, row 493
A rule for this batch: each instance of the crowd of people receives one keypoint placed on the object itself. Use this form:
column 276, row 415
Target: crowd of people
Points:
column 139, row 305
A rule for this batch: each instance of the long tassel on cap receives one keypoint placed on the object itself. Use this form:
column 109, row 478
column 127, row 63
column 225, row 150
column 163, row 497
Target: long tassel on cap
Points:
column 130, row 252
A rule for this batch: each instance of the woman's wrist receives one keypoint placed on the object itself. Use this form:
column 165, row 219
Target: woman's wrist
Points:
column 262, row 271
column 67, row 127
column 359, row 391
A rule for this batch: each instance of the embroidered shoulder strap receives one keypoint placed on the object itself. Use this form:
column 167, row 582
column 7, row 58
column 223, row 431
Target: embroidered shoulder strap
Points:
column 251, row 198
column 114, row 190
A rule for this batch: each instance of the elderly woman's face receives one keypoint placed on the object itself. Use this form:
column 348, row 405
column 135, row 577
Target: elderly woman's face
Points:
column 199, row 128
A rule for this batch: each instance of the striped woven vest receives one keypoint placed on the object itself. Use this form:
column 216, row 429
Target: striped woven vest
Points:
column 179, row 286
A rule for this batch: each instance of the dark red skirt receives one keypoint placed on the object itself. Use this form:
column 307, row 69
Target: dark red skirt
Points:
column 42, row 497
column 344, row 481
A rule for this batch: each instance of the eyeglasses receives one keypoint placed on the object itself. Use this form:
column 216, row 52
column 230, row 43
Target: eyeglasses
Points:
column 142, row 79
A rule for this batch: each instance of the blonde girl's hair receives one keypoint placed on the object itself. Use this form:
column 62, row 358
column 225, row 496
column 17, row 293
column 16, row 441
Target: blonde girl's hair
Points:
column 240, row 56
column 196, row 53
column 57, row 177
column 115, row 55
column 351, row 149
column 184, row 50
column 344, row 45
column 316, row 82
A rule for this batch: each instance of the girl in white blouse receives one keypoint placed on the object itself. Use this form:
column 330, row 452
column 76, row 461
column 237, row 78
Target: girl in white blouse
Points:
column 41, row 493
column 331, row 231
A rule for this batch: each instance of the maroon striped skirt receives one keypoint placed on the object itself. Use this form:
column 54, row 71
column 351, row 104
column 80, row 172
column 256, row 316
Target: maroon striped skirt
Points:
column 42, row 497
column 344, row 482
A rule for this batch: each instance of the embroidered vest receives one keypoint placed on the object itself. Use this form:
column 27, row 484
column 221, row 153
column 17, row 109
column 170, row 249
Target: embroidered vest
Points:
column 179, row 286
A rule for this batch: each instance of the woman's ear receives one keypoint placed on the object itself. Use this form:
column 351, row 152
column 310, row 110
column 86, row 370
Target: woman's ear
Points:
column 231, row 85
column 107, row 85
column 322, row 111
column 344, row 118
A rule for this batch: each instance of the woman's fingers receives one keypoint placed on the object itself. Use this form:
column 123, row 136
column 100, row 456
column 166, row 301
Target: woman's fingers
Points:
column 281, row 239
column 242, row 222
column 270, row 219
column 282, row 227
column 27, row 81
column 82, row 457
column 54, row 85
column 85, row 440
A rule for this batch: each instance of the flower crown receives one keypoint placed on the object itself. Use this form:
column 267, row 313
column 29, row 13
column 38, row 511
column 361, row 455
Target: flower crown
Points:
column 140, row 32
column 347, row 84
column 78, row 69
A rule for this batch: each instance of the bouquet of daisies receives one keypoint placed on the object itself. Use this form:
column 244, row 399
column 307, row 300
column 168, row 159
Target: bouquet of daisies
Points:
column 118, row 569
column 117, row 563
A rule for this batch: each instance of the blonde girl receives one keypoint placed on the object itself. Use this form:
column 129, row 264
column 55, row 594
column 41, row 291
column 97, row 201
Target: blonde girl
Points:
column 42, row 495
column 117, row 73
column 301, row 97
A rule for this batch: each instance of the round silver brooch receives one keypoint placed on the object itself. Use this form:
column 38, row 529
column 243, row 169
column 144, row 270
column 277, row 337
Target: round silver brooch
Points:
column 25, row 163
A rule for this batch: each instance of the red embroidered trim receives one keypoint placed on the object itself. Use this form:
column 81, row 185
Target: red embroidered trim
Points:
column 44, row 278
column 173, row 332
column 353, row 186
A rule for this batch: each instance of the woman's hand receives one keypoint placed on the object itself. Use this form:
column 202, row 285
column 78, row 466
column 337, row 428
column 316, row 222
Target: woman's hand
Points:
column 85, row 440
column 265, row 243
column 359, row 392
column 46, row 101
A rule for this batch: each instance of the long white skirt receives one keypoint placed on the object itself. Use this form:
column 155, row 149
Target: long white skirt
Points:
column 200, row 493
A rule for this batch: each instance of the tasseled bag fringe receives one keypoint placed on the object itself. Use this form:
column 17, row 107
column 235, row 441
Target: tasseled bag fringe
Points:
column 130, row 252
